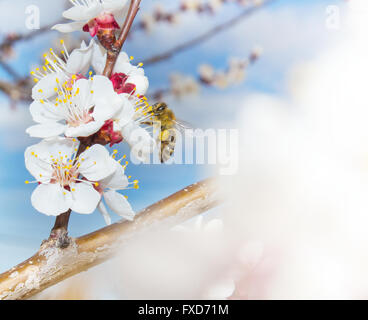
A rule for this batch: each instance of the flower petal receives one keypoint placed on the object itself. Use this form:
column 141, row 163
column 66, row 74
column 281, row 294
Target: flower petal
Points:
column 123, row 65
column 69, row 27
column 141, row 83
column 101, row 207
column 107, row 102
column 96, row 163
column 50, row 147
column 98, row 58
column 118, row 180
column 119, row 204
column 82, row 95
column 84, row 130
column 45, row 88
column 51, row 199
column 85, row 198
column 114, row 5
column 127, row 112
column 46, row 130
column 39, row 169
column 45, row 112
column 80, row 12
column 122, row 59
column 80, row 59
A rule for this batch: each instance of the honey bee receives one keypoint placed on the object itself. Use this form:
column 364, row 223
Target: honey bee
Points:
column 169, row 126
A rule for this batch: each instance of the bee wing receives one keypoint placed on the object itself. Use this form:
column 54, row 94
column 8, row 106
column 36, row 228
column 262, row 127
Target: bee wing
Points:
column 182, row 125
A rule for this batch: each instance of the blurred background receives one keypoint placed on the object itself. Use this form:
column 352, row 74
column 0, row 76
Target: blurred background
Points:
column 217, row 64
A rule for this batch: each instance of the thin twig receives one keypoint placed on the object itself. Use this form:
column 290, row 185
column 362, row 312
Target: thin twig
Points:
column 18, row 91
column 11, row 40
column 51, row 265
column 59, row 232
column 186, row 45
column 205, row 36
column 113, row 53
column 9, row 70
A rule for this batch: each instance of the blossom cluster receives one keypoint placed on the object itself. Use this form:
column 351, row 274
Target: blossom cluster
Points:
column 181, row 85
column 161, row 14
column 78, row 110
column 234, row 74
column 214, row 5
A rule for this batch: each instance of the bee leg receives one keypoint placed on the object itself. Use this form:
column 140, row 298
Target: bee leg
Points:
column 165, row 151
column 148, row 123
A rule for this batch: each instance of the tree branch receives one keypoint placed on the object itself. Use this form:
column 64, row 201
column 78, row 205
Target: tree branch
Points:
column 113, row 53
column 19, row 91
column 59, row 233
column 51, row 265
column 205, row 36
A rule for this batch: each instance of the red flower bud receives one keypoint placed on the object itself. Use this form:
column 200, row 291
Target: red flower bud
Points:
column 120, row 84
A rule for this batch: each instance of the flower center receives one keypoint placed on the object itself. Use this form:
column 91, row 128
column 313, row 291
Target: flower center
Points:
column 78, row 117
column 64, row 171
column 105, row 21
column 107, row 134
column 77, row 109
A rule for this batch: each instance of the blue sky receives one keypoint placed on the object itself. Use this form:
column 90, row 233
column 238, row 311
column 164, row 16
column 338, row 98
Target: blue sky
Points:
column 289, row 32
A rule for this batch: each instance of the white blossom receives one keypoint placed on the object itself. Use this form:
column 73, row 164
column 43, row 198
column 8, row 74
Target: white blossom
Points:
column 57, row 170
column 86, row 12
column 192, row 5
column 183, row 84
column 78, row 111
